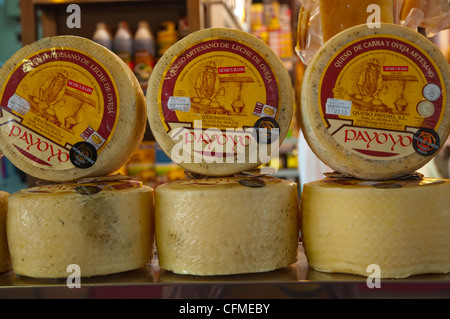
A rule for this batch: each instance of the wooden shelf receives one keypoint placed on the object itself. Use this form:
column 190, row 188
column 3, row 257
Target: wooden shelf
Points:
column 53, row 15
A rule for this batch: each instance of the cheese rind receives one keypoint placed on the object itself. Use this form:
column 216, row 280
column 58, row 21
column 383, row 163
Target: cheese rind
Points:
column 103, row 228
column 206, row 94
column 5, row 259
column 70, row 109
column 372, row 129
column 219, row 226
column 401, row 226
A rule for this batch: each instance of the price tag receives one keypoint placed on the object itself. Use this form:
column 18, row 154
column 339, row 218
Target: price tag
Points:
column 179, row 103
column 338, row 107
column 18, row 104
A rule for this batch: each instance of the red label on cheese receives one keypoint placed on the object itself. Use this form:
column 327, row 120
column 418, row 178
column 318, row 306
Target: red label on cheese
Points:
column 377, row 92
column 54, row 99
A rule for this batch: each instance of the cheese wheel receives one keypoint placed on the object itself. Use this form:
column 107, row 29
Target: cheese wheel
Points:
column 222, row 226
column 103, row 227
column 219, row 102
column 375, row 102
column 5, row 259
column 401, row 226
column 70, row 109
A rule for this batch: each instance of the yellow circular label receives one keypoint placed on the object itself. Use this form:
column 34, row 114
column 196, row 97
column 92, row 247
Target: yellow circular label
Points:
column 383, row 97
column 57, row 98
column 219, row 84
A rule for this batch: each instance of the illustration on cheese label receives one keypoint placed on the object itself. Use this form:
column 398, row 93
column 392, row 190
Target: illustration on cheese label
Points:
column 55, row 99
column 383, row 97
column 82, row 188
column 226, row 86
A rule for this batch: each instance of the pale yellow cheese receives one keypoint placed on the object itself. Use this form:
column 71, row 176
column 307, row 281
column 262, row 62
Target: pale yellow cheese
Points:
column 401, row 226
column 103, row 228
column 371, row 126
column 219, row 226
column 98, row 102
column 5, row 259
column 209, row 91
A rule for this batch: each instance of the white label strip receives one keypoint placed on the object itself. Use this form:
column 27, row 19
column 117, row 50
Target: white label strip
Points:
column 18, row 104
column 338, row 107
column 179, row 103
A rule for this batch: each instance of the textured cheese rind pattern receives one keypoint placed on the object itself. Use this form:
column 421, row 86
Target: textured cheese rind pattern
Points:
column 158, row 130
column 130, row 126
column 104, row 233
column 325, row 146
column 226, row 229
column 346, row 228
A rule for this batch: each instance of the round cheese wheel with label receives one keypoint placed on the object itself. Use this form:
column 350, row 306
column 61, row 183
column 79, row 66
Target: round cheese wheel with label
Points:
column 390, row 229
column 5, row 259
column 375, row 102
column 101, row 227
column 70, row 108
column 219, row 102
column 229, row 225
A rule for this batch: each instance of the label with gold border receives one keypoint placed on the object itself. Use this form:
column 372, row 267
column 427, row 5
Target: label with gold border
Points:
column 224, row 84
column 59, row 108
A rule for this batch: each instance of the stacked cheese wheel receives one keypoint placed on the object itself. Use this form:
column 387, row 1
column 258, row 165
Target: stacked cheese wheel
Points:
column 100, row 228
column 220, row 102
column 375, row 102
column 72, row 110
column 5, row 259
column 375, row 108
column 226, row 225
column 401, row 226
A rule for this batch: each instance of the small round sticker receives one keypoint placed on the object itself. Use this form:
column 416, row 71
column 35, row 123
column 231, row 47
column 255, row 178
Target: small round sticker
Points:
column 83, row 155
column 387, row 185
column 267, row 130
column 250, row 182
column 87, row 190
column 431, row 92
column 426, row 141
column 425, row 108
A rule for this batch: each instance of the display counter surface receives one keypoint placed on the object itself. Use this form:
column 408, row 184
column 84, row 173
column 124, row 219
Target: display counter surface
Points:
column 295, row 281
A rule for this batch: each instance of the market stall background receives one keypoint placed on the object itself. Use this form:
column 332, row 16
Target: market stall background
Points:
column 11, row 179
column 23, row 22
column 44, row 18
column 169, row 21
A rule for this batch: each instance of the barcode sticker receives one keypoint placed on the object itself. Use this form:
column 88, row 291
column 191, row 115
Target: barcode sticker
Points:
column 18, row 104
column 338, row 107
column 179, row 103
